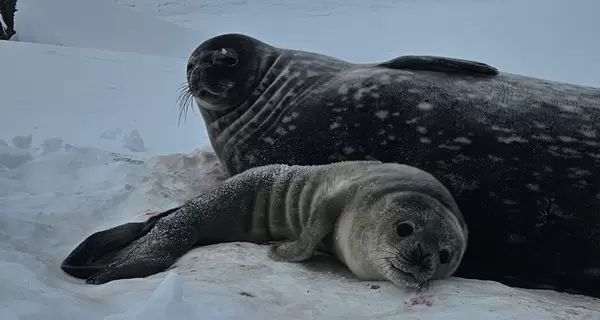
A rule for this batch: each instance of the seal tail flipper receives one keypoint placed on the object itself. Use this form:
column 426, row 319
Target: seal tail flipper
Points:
column 95, row 252
column 98, row 250
column 155, row 252
column 440, row 64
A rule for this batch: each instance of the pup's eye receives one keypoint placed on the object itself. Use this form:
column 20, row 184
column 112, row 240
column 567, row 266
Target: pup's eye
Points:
column 404, row 229
column 444, row 256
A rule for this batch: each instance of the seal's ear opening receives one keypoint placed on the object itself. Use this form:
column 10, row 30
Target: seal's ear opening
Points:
column 100, row 249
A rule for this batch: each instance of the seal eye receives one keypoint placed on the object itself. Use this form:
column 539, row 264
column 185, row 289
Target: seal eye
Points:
column 225, row 58
column 444, row 256
column 404, row 229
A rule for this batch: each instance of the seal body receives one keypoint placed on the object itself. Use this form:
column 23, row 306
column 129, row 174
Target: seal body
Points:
column 384, row 221
column 519, row 154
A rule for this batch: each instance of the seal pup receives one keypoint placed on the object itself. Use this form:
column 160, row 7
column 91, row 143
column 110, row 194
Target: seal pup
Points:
column 384, row 221
column 519, row 154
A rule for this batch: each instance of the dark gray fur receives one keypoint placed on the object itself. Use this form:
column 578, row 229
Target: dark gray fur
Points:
column 520, row 154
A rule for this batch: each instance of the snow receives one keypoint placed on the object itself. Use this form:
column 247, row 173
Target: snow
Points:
column 90, row 138
column 101, row 24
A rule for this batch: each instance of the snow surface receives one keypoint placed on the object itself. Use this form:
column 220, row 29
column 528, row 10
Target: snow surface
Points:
column 89, row 138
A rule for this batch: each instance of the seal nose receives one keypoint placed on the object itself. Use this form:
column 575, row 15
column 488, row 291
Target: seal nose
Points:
column 421, row 263
column 417, row 254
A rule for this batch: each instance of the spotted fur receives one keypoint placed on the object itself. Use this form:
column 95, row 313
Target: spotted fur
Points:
column 520, row 154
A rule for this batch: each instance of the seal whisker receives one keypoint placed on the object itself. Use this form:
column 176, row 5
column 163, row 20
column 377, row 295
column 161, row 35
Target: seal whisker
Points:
column 387, row 250
column 383, row 260
column 395, row 247
column 184, row 100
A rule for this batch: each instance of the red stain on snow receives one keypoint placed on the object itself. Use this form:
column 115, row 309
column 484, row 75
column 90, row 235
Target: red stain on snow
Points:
column 421, row 301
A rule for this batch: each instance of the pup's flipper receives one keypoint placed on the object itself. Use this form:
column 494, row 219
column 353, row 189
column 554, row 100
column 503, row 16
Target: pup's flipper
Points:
column 102, row 248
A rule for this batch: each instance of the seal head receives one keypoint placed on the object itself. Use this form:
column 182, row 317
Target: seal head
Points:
column 431, row 240
column 412, row 239
column 223, row 71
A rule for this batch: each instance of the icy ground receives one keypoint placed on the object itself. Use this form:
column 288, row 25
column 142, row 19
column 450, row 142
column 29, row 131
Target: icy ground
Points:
column 89, row 138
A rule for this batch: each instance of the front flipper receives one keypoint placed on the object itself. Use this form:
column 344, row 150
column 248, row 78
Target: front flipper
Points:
column 98, row 250
column 320, row 223
column 440, row 64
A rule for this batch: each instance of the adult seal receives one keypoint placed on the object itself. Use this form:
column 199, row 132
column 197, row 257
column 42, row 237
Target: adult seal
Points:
column 519, row 154
column 383, row 221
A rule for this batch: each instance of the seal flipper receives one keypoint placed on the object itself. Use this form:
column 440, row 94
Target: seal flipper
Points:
column 320, row 225
column 98, row 250
column 440, row 64
column 155, row 252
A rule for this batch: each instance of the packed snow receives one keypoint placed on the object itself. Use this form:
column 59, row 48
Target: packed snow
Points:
column 90, row 138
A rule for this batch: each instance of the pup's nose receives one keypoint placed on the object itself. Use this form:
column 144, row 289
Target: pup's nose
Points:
column 420, row 261
column 417, row 254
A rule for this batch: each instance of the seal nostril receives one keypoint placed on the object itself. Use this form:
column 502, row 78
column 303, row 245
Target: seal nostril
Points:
column 416, row 255
column 444, row 256
column 404, row 229
column 190, row 67
column 420, row 249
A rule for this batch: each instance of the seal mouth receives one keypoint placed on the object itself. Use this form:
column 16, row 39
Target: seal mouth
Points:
column 201, row 63
column 195, row 78
column 192, row 87
column 409, row 279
